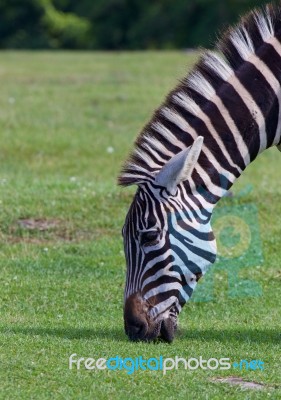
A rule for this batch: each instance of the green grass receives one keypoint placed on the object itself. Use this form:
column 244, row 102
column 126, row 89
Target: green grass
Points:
column 62, row 288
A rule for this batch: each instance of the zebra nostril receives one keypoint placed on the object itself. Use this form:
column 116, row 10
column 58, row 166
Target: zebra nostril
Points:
column 136, row 329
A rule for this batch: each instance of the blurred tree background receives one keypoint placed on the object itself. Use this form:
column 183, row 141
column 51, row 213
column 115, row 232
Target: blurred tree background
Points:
column 116, row 24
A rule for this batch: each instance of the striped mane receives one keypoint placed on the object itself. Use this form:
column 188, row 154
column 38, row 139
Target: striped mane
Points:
column 168, row 132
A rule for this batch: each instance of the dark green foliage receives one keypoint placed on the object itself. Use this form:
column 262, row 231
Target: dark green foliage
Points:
column 116, row 24
column 38, row 24
column 19, row 24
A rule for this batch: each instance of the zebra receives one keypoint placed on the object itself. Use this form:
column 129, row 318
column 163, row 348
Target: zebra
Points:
column 217, row 120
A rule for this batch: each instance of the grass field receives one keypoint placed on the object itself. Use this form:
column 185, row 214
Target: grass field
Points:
column 68, row 121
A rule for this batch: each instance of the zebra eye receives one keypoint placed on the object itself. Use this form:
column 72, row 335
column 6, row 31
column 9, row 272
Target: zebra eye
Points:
column 149, row 238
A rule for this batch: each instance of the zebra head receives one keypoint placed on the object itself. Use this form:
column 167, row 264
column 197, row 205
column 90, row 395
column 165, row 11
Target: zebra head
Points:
column 169, row 244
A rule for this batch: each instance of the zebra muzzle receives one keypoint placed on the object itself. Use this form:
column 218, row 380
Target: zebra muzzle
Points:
column 135, row 317
column 140, row 326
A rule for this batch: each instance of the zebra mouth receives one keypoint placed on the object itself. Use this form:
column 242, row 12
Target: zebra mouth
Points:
column 141, row 325
column 166, row 328
column 169, row 326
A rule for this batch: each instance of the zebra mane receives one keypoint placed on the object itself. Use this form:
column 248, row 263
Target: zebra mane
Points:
column 163, row 137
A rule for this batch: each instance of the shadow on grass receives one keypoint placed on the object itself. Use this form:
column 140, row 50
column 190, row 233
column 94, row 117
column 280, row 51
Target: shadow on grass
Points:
column 67, row 333
column 232, row 335
column 207, row 335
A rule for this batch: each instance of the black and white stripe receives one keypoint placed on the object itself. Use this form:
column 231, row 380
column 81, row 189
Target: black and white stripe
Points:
column 232, row 100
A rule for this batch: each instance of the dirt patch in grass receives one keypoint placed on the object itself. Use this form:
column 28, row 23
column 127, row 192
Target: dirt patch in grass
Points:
column 50, row 230
column 39, row 224
column 30, row 240
column 234, row 380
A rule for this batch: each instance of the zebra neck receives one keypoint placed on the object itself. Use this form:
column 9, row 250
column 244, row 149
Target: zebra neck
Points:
column 211, row 179
column 233, row 101
column 240, row 120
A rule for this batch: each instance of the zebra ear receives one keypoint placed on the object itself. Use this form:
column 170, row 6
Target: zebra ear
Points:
column 179, row 167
